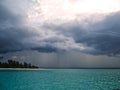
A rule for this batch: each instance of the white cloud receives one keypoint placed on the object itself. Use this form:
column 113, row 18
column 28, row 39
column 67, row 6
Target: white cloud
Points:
column 66, row 10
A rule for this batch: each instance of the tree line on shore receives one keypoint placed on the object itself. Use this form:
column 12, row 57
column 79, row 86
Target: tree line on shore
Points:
column 16, row 64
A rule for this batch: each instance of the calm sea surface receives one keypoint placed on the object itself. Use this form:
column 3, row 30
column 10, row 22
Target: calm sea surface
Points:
column 60, row 79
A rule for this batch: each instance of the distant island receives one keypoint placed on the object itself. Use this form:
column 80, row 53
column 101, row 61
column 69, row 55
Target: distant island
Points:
column 16, row 64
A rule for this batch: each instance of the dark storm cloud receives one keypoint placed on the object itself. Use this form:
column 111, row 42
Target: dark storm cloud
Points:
column 7, row 40
column 11, row 35
column 15, row 37
column 106, row 38
column 45, row 49
column 102, row 36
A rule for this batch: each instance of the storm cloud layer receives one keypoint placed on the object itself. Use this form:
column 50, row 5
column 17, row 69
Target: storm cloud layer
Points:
column 95, row 34
column 102, row 37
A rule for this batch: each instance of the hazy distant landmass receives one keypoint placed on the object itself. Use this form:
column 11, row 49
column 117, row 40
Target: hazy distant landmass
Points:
column 16, row 64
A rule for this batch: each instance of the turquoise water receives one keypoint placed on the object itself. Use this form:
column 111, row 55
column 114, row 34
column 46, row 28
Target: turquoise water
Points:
column 60, row 79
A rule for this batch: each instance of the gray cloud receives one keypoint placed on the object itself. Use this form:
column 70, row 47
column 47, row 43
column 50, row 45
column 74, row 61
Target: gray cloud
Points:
column 8, row 41
column 106, row 38
column 14, row 36
column 11, row 34
column 102, row 36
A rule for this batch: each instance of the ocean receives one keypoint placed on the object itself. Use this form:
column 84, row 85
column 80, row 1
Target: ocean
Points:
column 60, row 79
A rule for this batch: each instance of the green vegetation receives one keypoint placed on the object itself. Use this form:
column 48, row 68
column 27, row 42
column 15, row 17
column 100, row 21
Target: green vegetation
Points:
column 16, row 64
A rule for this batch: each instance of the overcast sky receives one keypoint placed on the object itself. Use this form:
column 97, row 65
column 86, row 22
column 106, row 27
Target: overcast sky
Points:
column 61, row 33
